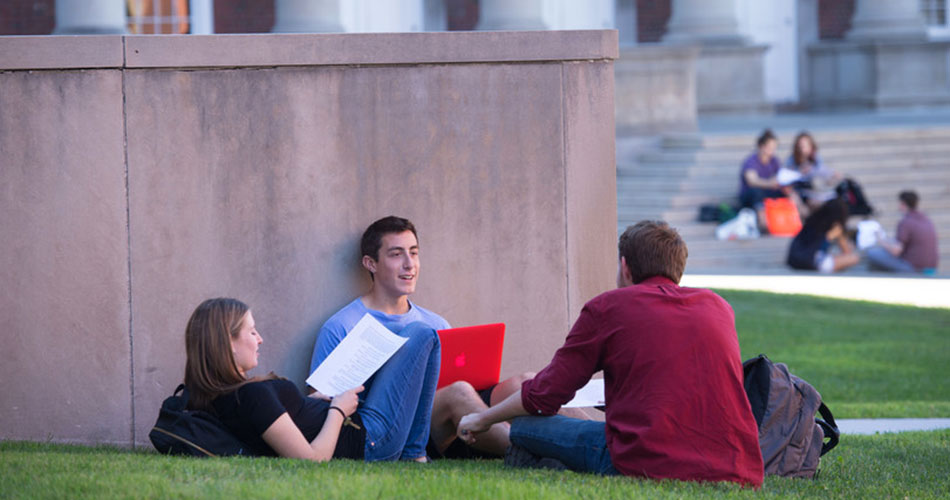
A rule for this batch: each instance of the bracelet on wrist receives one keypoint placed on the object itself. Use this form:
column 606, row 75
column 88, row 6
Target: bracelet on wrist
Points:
column 346, row 420
column 342, row 413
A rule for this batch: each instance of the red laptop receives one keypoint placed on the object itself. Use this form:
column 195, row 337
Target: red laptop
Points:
column 472, row 354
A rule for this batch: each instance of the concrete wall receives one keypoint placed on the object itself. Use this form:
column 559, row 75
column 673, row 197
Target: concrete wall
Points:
column 141, row 175
column 656, row 89
column 730, row 79
column 879, row 75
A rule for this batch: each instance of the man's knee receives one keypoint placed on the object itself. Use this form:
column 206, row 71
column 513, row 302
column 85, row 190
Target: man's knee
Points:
column 456, row 392
column 456, row 400
column 419, row 332
column 509, row 386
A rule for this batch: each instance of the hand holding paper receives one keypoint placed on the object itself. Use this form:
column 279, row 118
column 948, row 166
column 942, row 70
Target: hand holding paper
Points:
column 356, row 358
column 787, row 176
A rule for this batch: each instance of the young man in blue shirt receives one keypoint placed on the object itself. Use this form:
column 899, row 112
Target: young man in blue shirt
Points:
column 390, row 253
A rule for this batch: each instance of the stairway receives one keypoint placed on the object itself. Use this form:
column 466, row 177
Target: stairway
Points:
column 671, row 179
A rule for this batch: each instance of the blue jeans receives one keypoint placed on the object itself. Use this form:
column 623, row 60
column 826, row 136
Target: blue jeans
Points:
column 581, row 445
column 397, row 409
column 882, row 260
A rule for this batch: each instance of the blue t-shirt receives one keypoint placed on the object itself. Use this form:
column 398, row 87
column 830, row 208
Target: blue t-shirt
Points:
column 345, row 319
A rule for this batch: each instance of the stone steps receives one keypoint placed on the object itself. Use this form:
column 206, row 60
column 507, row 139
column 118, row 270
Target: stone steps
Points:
column 878, row 196
column 845, row 137
column 687, row 170
column 939, row 214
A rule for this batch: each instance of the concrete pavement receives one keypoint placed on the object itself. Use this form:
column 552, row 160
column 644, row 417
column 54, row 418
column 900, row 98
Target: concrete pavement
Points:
column 914, row 291
column 866, row 426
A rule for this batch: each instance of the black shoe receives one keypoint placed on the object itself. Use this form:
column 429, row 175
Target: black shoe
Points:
column 516, row 456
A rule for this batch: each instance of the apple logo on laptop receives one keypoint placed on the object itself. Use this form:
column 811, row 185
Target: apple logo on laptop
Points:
column 460, row 360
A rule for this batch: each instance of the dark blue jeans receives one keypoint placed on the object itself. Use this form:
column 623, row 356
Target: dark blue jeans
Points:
column 397, row 410
column 581, row 445
column 754, row 197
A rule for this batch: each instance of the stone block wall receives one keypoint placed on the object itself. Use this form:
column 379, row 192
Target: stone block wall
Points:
column 141, row 175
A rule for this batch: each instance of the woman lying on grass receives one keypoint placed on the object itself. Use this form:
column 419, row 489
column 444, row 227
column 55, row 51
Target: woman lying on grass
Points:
column 272, row 416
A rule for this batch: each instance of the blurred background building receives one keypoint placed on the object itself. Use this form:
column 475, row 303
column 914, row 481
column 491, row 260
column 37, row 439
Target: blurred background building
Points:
column 695, row 82
column 747, row 56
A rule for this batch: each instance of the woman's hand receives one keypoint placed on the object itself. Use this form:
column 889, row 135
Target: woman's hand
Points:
column 348, row 401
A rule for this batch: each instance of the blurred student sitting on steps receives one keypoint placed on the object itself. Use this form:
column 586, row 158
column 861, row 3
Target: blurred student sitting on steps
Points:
column 758, row 178
column 675, row 402
column 812, row 248
column 818, row 181
column 915, row 249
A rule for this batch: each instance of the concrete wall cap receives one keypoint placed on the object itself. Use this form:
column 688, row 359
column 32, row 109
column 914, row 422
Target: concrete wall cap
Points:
column 270, row 50
column 60, row 52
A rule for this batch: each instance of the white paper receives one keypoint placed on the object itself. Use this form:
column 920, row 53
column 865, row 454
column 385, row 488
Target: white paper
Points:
column 787, row 176
column 356, row 358
column 592, row 394
column 869, row 233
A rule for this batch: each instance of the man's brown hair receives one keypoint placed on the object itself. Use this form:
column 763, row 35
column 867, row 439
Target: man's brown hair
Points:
column 653, row 248
column 909, row 198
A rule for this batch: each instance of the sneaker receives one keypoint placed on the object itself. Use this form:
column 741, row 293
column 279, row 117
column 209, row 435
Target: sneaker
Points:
column 516, row 456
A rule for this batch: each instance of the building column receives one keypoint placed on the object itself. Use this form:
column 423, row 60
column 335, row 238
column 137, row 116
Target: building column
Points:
column 90, row 17
column 307, row 16
column 202, row 16
column 730, row 69
column 511, row 15
column 705, row 22
column 887, row 20
column 625, row 18
column 356, row 16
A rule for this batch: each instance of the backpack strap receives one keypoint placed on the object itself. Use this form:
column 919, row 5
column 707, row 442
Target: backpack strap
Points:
column 756, row 374
column 829, row 427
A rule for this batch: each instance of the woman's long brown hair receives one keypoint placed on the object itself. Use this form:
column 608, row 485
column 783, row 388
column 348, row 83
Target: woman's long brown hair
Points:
column 210, row 369
column 798, row 156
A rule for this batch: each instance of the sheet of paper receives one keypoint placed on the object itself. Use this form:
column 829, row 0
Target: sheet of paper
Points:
column 787, row 176
column 592, row 394
column 356, row 358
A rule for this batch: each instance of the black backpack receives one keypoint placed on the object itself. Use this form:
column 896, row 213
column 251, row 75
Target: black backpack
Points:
column 180, row 431
column 853, row 196
column 784, row 406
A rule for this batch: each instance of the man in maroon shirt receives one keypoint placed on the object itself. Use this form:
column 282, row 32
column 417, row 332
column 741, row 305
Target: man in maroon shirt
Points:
column 675, row 404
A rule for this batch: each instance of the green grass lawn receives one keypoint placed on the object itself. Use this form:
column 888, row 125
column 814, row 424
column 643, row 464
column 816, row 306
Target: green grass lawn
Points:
column 867, row 360
column 908, row 465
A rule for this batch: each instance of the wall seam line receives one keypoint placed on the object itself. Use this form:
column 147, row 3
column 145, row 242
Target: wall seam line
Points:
column 567, row 245
column 128, row 243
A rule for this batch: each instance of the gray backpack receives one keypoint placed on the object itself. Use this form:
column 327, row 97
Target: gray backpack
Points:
column 784, row 406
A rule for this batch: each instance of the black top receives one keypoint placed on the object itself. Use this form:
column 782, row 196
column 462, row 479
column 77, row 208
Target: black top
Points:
column 251, row 409
column 807, row 243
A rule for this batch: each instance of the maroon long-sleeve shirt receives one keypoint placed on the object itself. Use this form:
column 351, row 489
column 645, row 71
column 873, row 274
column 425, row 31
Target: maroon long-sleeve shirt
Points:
column 676, row 407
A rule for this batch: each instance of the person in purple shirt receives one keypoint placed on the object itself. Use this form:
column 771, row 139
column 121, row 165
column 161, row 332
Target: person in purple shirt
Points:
column 758, row 178
column 915, row 249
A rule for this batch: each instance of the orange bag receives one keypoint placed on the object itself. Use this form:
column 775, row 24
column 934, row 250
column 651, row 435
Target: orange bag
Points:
column 782, row 217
